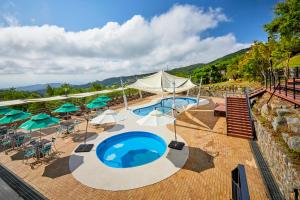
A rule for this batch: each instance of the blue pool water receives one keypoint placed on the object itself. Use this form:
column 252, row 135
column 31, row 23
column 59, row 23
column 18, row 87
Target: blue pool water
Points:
column 165, row 105
column 131, row 149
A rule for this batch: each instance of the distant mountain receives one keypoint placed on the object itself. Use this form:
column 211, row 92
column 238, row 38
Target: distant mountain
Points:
column 38, row 87
column 185, row 71
column 115, row 80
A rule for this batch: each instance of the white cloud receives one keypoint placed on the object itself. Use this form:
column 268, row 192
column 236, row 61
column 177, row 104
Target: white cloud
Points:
column 138, row 45
column 10, row 20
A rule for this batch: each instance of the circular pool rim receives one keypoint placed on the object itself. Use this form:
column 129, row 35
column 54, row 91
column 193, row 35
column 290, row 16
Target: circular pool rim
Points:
column 88, row 170
column 129, row 134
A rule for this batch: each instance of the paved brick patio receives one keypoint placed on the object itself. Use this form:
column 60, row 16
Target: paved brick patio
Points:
column 206, row 175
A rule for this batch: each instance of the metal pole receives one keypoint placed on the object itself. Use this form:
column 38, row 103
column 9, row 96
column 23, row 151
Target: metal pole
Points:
column 86, row 128
column 198, row 95
column 173, row 106
column 175, row 130
column 124, row 96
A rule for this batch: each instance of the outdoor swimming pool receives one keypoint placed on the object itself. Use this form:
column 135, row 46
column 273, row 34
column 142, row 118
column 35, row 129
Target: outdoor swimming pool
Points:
column 165, row 105
column 131, row 149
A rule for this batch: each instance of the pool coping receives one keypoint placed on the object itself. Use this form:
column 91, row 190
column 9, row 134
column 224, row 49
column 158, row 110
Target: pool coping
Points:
column 90, row 171
column 202, row 101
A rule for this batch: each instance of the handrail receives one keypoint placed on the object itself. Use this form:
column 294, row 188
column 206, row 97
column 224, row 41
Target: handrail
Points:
column 226, row 112
column 249, row 110
column 239, row 184
column 273, row 93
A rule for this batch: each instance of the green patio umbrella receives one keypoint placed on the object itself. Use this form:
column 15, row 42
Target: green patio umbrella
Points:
column 104, row 98
column 14, row 116
column 66, row 108
column 39, row 121
column 4, row 110
column 96, row 104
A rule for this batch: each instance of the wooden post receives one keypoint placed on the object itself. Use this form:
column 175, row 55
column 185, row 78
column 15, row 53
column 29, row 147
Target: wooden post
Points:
column 270, row 81
column 279, row 86
column 286, row 86
column 294, row 88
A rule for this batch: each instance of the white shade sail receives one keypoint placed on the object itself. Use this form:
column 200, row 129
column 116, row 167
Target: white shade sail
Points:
column 55, row 98
column 162, row 82
column 108, row 116
column 155, row 118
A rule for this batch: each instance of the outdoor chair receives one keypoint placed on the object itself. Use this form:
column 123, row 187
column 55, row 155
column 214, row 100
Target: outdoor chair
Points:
column 76, row 124
column 6, row 143
column 59, row 130
column 71, row 128
column 29, row 153
column 46, row 149
column 20, row 141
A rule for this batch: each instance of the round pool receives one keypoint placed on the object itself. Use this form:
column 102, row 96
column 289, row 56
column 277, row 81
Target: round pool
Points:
column 131, row 149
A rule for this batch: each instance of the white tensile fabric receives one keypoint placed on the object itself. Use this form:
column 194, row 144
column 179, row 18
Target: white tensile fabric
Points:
column 108, row 116
column 155, row 118
column 55, row 98
column 162, row 82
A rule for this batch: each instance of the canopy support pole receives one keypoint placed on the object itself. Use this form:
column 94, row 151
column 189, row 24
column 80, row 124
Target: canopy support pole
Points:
column 198, row 95
column 124, row 96
column 173, row 106
column 188, row 91
column 140, row 93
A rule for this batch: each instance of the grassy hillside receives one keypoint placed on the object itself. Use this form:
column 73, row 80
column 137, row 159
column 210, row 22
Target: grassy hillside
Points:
column 185, row 71
column 294, row 62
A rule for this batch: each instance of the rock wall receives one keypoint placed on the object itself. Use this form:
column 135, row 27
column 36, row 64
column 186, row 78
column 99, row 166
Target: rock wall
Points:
column 284, row 171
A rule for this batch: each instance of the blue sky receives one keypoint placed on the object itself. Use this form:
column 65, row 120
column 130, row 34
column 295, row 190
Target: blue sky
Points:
column 232, row 24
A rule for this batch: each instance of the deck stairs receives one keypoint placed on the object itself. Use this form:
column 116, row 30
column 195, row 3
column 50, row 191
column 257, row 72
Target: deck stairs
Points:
column 257, row 92
column 239, row 121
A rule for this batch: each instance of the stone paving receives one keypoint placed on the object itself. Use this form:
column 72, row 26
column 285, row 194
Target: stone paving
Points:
column 206, row 174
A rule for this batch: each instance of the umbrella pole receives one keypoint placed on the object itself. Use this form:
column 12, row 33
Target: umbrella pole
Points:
column 40, row 134
column 87, row 124
column 175, row 130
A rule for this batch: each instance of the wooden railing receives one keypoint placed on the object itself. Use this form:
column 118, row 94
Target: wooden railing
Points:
column 290, row 85
column 249, row 111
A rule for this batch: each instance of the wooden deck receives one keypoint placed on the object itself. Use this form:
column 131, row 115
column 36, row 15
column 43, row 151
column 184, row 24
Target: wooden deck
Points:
column 290, row 97
column 206, row 175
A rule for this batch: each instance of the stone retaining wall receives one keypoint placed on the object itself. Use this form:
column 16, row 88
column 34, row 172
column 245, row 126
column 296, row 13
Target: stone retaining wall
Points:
column 285, row 173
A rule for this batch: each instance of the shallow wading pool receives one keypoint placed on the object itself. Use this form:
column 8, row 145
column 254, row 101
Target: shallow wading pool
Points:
column 131, row 149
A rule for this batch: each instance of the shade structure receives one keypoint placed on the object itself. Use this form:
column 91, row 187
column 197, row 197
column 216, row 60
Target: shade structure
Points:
column 108, row 116
column 104, row 98
column 162, row 82
column 156, row 118
column 14, row 116
column 4, row 110
column 96, row 104
column 66, row 108
column 39, row 121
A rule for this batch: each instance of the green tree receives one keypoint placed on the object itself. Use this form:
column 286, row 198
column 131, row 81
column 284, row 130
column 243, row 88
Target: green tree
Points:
column 49, row 91
column 233, row 70
column 96, row 86
column 285, row 27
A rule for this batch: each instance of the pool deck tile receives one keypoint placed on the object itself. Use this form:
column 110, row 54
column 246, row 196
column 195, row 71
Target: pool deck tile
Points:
column 206, row 174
